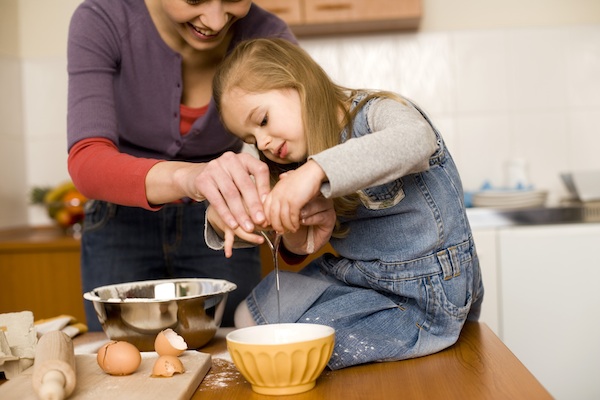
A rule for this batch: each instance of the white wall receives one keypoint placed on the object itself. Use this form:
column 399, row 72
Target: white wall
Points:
column 501, row 80
column 444, row 15
column 33, row 97
column 13, row 210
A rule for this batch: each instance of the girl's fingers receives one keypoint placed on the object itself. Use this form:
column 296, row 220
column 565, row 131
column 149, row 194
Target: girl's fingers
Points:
column 228, row 245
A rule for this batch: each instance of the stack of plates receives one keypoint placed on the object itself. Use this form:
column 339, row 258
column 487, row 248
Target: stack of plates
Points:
column 510, row 198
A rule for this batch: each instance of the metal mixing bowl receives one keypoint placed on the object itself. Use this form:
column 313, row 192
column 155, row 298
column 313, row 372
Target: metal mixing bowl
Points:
column 137, row 311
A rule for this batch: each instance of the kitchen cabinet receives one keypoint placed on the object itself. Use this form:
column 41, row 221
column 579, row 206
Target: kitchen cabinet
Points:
column 291, row 11
column 550, row 300
column 542, row 297
column 39, row 272
column 486, row 244
column 323, row 17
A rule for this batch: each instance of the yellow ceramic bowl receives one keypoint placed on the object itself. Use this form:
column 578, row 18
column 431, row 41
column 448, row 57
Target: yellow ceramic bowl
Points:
column 281, row 359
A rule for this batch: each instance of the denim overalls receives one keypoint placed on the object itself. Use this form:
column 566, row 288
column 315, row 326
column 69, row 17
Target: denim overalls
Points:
column 407, row 276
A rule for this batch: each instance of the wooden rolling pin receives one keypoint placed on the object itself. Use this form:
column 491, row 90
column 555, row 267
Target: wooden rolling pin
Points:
column 54, row 375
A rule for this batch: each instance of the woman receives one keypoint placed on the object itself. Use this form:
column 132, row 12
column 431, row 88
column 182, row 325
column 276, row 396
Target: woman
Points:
column 146, row 143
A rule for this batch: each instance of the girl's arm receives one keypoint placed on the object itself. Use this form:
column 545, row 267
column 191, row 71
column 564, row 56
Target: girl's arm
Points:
column 401, row 143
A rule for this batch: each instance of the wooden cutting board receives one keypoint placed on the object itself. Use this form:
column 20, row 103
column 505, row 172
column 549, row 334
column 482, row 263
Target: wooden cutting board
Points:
column 93, row 383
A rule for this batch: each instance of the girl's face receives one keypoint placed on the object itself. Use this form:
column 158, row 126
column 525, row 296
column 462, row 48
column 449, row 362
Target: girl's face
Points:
column 203, row 24
column 272, row 120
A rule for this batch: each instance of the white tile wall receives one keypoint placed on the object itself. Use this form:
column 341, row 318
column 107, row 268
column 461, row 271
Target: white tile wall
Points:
column 483, row 147
column 45, row 91
column 10, row 97
column 494, row 94
column 13, row 186
column 480, row 60
column 582, row 66
column 13, row 190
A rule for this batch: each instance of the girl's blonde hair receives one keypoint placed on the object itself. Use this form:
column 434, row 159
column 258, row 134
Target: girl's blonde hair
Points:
column 261, row 65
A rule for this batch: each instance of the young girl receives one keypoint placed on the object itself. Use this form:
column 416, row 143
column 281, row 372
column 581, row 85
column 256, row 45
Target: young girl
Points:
column 406, row 276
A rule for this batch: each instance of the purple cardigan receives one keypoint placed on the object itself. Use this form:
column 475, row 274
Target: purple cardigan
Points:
column 125, row 83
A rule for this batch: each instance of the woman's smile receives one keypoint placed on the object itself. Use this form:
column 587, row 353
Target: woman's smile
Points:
column 202, row 33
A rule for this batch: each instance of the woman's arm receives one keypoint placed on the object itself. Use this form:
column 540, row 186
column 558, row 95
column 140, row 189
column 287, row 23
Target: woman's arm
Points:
column 101, row 172
column 232, row 183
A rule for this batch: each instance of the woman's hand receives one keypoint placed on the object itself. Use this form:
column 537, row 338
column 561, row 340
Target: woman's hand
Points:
column 228, row 234
column 234, row 184
column 294, row 190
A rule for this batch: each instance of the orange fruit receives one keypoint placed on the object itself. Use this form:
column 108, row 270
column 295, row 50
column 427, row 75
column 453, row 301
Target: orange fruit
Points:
column 63, row 218
column 74, row 202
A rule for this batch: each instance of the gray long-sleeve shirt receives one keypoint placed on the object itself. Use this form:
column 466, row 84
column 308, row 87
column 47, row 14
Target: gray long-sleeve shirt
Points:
column 401, row 143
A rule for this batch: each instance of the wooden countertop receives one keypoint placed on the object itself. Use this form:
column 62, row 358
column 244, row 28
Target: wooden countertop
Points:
column 32, row 239
column 479, row 366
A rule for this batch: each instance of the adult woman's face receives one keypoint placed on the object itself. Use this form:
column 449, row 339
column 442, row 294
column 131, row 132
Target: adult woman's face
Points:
column 204, row 24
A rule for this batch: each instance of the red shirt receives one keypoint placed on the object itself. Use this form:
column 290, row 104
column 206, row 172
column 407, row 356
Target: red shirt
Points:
column 100, row 160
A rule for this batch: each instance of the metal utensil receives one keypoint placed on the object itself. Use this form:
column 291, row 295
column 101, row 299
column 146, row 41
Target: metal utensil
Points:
column 274, row 239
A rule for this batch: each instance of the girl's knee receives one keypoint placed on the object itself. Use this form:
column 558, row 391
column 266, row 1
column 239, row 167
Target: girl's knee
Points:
column 242, row 317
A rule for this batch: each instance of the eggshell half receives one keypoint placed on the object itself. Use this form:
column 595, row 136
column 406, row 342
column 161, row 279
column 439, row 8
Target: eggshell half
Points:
column 167, row 366
column 168, row 342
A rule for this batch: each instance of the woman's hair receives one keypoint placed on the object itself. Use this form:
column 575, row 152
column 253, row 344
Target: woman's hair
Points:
column 261, row 65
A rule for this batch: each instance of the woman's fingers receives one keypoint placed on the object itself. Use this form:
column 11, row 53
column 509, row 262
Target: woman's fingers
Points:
column 234, row 184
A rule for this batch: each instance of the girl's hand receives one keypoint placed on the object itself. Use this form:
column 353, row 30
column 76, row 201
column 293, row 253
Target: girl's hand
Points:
column 293, row 191
column 317, row 220
column 228, row 234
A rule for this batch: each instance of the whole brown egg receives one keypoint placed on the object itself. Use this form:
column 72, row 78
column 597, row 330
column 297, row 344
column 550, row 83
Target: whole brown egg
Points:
column 119, row 358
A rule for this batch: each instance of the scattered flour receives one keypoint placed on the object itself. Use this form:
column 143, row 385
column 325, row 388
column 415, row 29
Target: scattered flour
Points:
column 223, row 374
